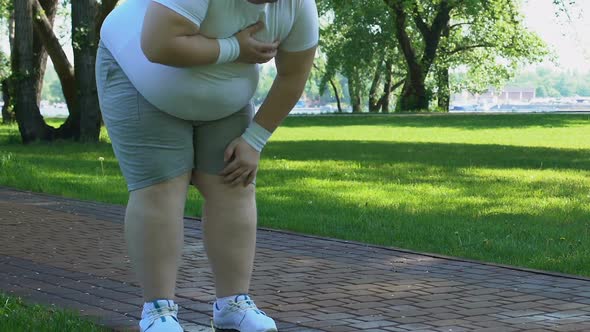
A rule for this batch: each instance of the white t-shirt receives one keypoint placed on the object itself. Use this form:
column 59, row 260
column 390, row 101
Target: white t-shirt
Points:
column 213, row 91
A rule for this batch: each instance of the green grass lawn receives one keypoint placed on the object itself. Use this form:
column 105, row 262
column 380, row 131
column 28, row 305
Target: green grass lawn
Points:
column 512, row 189
column 15, row 316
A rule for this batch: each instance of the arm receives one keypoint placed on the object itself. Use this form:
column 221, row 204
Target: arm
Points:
column 292, row 73
column 171, row 39
column 293, row 69
column 179, row 44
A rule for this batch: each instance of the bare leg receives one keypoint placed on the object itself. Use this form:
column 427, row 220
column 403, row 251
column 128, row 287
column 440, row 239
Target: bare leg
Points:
column 229, row 226
column 154, row 235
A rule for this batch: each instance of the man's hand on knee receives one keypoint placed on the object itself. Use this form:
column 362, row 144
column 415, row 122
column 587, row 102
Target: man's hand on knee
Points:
column 241, row 163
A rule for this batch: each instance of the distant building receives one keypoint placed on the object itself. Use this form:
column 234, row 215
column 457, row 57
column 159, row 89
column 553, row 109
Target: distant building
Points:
column 508, row 95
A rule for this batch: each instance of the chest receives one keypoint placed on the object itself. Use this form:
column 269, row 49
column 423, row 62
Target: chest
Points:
column 227, row 17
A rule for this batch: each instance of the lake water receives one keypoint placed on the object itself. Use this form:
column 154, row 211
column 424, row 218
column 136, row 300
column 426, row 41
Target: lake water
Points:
column 61, row 111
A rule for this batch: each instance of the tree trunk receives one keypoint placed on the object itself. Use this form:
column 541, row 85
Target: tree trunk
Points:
column 63, row 68
column 40, row 55
column 336, row 95
column 29, row 119
column 444, row 90
column 354, row 92
column 11, row 31
column 387, row 88
column 84, row 37
column 8, row 84
column 443, row 94
column 374, row 100
column 6, row 114
column 414, row 96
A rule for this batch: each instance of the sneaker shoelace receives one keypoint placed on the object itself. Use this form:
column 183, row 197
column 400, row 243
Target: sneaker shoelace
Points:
column 245, row 305
column 155, row 314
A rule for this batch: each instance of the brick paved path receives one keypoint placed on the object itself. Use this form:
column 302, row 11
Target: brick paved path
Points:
column 72, row 254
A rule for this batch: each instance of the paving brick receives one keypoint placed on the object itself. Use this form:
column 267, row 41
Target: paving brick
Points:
column 75, row 257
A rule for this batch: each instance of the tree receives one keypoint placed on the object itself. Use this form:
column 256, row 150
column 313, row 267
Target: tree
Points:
column 356, row 39
column 29, row 119
column 78, row 85
column 421, row 41
column 4, row 76
column 429, row 19
column 379, row 100
column 319, row 70
column 491, row 46
column 64, row 69
column 84, row 40
column 7, row 14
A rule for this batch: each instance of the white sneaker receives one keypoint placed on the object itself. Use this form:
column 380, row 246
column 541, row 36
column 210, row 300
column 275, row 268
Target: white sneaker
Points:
column 242, row 314
column 160, row 316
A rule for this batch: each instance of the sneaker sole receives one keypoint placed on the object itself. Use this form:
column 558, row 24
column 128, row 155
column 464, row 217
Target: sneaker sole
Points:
column 224, row 330
column 217, row 329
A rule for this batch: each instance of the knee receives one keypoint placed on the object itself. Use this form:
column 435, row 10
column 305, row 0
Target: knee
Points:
column 231, row 199
column 166, row 198
column 215, row 190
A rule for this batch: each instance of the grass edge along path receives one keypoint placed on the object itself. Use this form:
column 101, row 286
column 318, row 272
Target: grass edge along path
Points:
column 509, row 189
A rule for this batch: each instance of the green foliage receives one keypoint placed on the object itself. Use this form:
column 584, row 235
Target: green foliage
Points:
column 312, row 90
column 5, row 70
column 6, row 8
column 555, row 84
column 52, row 91
column 267, row 76
column 355, row 40
column 487, row 39
column 490, row 43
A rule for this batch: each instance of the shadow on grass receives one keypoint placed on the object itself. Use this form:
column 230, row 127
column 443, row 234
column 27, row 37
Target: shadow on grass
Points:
column 376, row 154
column 474, row 122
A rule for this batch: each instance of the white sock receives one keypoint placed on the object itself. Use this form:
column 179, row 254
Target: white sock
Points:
column 220, row 303
column 147, row 306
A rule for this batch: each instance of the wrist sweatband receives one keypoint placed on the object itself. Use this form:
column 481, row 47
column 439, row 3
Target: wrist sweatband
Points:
column 256, row 136
column 229, row 50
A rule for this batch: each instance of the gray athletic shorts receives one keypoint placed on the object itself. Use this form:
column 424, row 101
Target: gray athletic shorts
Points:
column 151, row 145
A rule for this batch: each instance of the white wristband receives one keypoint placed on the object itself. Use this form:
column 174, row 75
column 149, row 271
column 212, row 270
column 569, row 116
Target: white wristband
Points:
column 256, row 136
column 229, row 50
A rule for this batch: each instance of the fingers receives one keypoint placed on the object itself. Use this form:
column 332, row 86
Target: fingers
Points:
column 243, row 167
column 264, row 47
column 230, row 168
column 250, row 178
column 239, row 176
column 261, row 57
column 234, row 177
column 266, row 57
column 229, row 152
column 254, row 28
column 234, row 174
column 254, row 51
column 240, row 179
column 263, row 52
